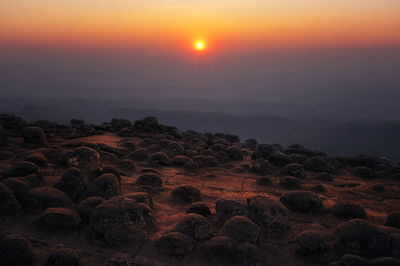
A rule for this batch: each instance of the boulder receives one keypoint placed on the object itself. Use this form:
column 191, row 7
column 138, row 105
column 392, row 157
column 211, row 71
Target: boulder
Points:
column 205, row 160
column 320, row 164
column 385, row 261
column 289, row 182
column 34, row 137
column 293, row 169
column 141, row 197
column 219, row 249
column 3, row 138
column 105, row 186
column 310, row 243
column 175, row 244
column 127, row 167
column 73, row 184
column 41, row 198
column 19, row 188
column 194, row 226
column 149, row 179
column 393, row 219
column 140, row 155
column 261, row 166
column 362, row 238
column 364, row 172
column 271, row 215
column 86, row 159
column 15, row 250
column 159, row 158
column 86, row 207
column 353, row 260
column 199, row 208
column 348, row 210
column 279, row 158
column 118, row 221
column 227, row 208
column 58, row 219
column 302, row 201
column 63, row 257
column 21, row 169
column 187, row 192
column 8, row 203
column 241, row 229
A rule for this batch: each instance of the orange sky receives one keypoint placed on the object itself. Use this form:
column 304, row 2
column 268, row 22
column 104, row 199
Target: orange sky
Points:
column 175, row 24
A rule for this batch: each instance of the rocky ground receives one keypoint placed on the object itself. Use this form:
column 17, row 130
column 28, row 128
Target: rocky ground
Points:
column 142, row 193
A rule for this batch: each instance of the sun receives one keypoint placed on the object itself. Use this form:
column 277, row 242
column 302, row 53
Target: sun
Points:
column 199, row 45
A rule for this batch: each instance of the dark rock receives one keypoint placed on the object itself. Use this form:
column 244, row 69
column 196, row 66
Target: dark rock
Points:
column 109, row 158
column 86, row 207
column 21, row 169
column 159, row 158
column 63, row 257
column 379, row 187
column 320, row 164
column 364, row 172
column 12, row 123
column 263, row 151
column 48, row 127
column 73, row 184
column 148, row 124
column 187, row 192
column 227, row 208
column 353, row 260
column 297, row 158
column 279, row 158
column 348, row 210
column 58, row 219
column 265, row 181
column 128, row 167
column 293, row 169
column 18, row 187
column 205, row 160
column 247, row 254
column 130, row 145
column 38, row 159
column 34, row 180
column 15, row 251
column 180, row 160
column 194, row 226
column 229, row 137
column 118, row 124
column 3, row 138
column 311, row 242
column 118, row 221
column 302, row 201
column 324, row 177
column 269, row 214
column 41, row 198
column 385, row 261
column 8, row 203
column 175, row 244
column 235, row 154
column 140, row 155
column 299, row 149
column 219, row 249
column 5, row 155
column 149, row 179
column 105, row 186
column 141, row 197
column 86, row 159
column 34, row 137
column 199, row 208
column 363, row 160
column 250, row 144
column 241, row 229
column 107, row 169
column 362, row 238
column 318, row 188
column 290, row 182
column 261, row 166
column 393, row 219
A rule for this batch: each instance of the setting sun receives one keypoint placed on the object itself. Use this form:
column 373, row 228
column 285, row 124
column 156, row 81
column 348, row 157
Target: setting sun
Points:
column 199, row 45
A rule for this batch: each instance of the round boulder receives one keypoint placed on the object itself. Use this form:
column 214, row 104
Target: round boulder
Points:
column 348, row 210
column 194, row 226
column 311, row 242
column 34, row 137
column 105, row 186
column 364, row 172
column 86, row 159
column 261, row 166
column 187, row 193
column 353, row 260
column 289, row 182
column 8, row 203
column 149, row 179
column 269, row 214
column 241, row 229
column 175, row 244
column 362, row 238
column 63, row 257
column 73, row 184
column 302, row 201
column 159, row 158
column 393, row 219
column 41, row 198
column 293, row 169
column 58, row 219
column 199, row 208
column 16, row 250
column 227, row 208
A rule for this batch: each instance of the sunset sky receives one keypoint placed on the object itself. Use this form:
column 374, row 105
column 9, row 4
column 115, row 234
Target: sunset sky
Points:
column 159, row 36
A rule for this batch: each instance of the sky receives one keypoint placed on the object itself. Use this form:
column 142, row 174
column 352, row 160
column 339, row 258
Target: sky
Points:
column 254, row 49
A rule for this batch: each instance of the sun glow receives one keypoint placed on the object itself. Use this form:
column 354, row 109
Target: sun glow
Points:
column 199, row 45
